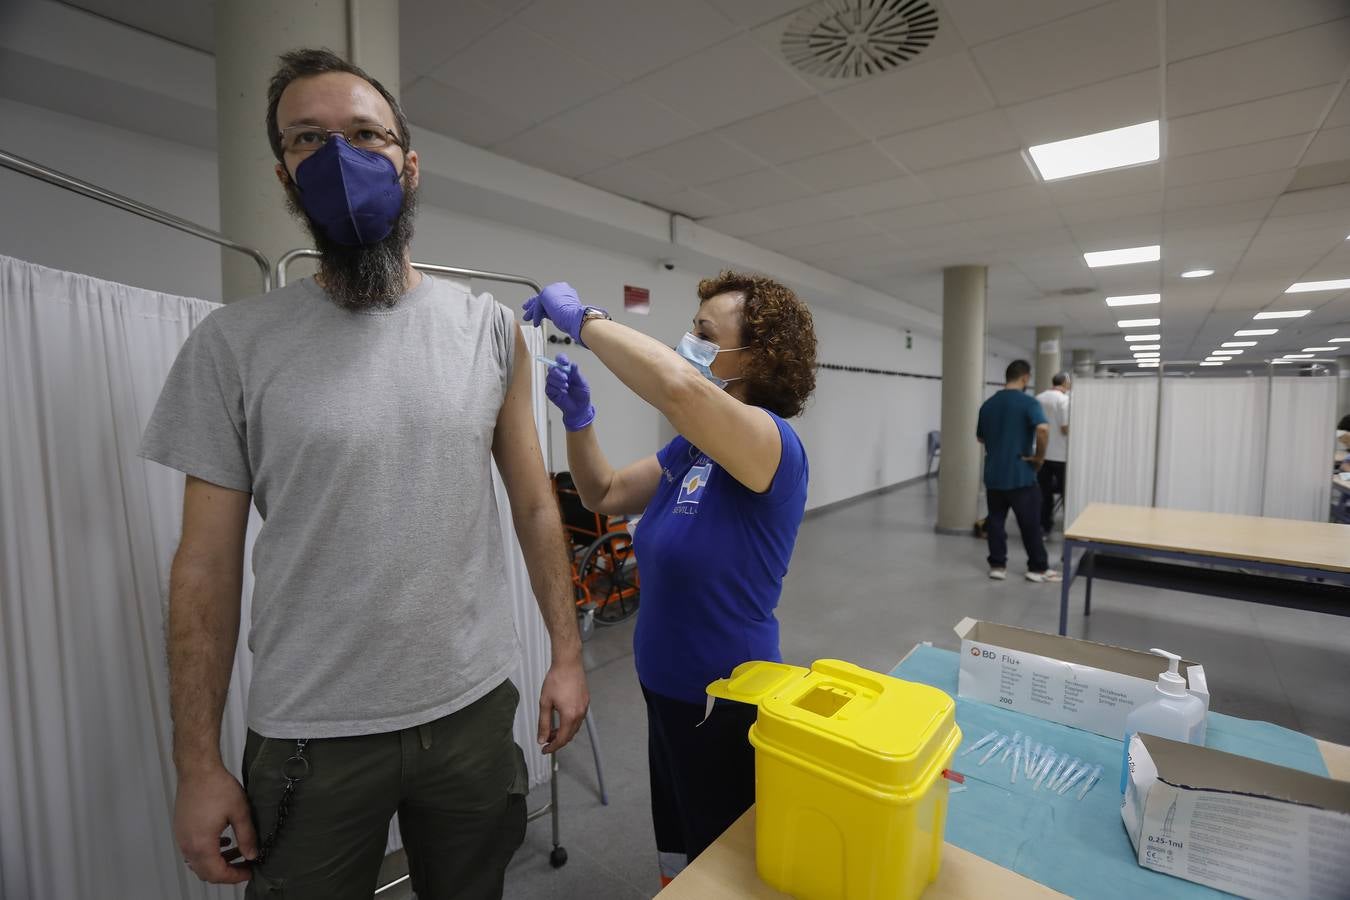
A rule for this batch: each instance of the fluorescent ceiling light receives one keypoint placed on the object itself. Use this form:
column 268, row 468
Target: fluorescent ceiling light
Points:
column 1139, row 323
column 1217, row 359
column 1338, row 340
column 1197, row 273
column 1304, row 287
column 1146, row 346
column 1149, row 363
column 1298, row 356
column 1128, row 146
column 1282, row 362
column 1134, row 300
column 1283, row 314
column 1226, row 352
column 1211, row 364
column 1255, row 332
column 1122, row 257
column 1151, row 355
column 1143, row 337
column 1319, row 349
column 1239, row 343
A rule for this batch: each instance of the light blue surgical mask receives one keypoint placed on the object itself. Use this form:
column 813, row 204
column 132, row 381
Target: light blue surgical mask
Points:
column 701, row 353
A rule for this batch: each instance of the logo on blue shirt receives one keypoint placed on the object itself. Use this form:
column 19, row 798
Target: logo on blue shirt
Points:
column 691, row 489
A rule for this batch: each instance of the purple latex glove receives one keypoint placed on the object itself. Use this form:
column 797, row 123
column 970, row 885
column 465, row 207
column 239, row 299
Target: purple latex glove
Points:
column 567, row 388
column 559, row 304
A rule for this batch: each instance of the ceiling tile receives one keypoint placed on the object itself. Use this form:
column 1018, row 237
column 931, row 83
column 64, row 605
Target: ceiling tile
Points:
column 1319, row 200
column 693, row 203
column 795, row 131
column 914, row 96
column 1086, row 110
column 423, row 46
column 1220, row 193
column 1011, row 223
column 1338, row 218
column 1100, row 43
column 1199, row 217
column 627, row 37
column 740, row 224
column 1330, row 145
column 1123, row 207
column 849, row 167
column 453, row 113
column 544, row 148
column 914, row 217
column 1106, row 185
column 978, row 206
column 624, row 123
column 784, row 239
column 630, row 180
column 1246, row 123
column 953, row 142
column 1203, row 26
column 1231, row 162
column 880, row 195
column 984, row 20
column 930, row 236
column 1130, row 231
column 515, row 69
column 723, row 84
column 780, row 215
column 756, row 189
column 698, row 160
column 1265, row 68
column 750, row 13
column 1340, row 113
column 989, row 174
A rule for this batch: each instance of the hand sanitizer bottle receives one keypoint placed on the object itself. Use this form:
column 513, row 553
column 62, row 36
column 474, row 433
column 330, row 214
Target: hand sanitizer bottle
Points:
column 1174, row 714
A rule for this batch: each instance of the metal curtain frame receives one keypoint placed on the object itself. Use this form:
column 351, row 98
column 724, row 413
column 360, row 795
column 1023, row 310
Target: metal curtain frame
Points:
column 559, row 855
column 94, row 192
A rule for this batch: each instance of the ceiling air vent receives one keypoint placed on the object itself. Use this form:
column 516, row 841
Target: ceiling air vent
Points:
column 858, row 38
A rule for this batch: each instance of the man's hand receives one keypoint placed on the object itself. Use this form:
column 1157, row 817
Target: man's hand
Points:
column 207, row 802
column 1035, row 461
column 565, row 691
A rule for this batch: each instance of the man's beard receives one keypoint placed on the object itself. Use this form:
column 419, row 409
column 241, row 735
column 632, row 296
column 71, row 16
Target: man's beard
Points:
column 363, row 276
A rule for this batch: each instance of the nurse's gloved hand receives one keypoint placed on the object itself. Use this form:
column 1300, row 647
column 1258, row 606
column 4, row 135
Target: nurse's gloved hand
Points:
column 559, row 304
column 567, row 388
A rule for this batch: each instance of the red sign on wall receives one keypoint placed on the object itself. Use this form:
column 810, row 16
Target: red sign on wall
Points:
column 637, row 300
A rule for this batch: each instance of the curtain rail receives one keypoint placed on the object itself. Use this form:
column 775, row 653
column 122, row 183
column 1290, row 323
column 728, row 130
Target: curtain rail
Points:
column 94, row 192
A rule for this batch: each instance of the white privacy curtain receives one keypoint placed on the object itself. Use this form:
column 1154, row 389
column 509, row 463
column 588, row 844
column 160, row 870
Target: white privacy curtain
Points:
column 1212, row 454
column 87, row 534
column 1111, row 443
column 1298, row 467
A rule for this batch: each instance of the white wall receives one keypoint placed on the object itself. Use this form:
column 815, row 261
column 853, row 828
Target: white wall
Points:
column 861, row 431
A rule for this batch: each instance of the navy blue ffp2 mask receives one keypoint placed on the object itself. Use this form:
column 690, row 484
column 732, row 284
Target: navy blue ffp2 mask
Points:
column 354, row 195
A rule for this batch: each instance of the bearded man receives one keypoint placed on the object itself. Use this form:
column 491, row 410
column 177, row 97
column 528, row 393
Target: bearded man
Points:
column 360, row 411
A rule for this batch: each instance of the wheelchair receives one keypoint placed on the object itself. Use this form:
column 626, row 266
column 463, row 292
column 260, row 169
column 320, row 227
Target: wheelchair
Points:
column 604, row 566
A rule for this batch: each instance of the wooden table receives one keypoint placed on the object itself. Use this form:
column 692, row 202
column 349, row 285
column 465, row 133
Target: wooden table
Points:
column 726, row 870
column 1281, row 547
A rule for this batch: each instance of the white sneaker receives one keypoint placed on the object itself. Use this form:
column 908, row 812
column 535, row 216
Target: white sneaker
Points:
column 998, row 574
column 1048, row 575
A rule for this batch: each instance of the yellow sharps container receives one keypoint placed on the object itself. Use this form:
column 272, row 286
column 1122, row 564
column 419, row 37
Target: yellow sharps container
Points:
column 850, row 796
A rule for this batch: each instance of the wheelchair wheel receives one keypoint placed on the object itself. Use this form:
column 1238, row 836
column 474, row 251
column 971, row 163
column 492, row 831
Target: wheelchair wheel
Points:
column 609, row 570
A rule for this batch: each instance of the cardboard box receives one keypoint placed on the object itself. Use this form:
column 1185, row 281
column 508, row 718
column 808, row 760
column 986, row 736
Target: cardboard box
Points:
column 1076, row 683
column 1232, row 823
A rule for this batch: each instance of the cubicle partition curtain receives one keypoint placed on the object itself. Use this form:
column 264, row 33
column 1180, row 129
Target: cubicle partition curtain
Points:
column 87, row 533
column 1213, row 448
column 1112, row 435
column 1301, row 425
column 1252, row 446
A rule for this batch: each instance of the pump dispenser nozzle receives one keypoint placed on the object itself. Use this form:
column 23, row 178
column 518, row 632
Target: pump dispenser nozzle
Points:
column 1170, row 682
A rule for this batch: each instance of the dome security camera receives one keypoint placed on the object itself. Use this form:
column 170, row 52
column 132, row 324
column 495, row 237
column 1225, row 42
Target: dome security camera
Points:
column 668, row 265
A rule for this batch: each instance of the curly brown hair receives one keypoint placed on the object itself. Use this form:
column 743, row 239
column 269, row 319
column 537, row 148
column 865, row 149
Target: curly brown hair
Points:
column 780, row 367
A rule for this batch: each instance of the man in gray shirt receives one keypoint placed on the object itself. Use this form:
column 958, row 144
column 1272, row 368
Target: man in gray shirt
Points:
column 361, row 413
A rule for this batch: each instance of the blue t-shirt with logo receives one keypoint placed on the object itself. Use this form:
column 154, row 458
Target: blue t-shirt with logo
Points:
column 1007, row 426
column 712, row 555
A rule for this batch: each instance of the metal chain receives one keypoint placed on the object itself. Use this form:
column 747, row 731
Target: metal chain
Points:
column 294, row 771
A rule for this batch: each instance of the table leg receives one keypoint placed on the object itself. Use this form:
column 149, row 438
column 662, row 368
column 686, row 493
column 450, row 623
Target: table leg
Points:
column 1064, row 588
column 1089, row 560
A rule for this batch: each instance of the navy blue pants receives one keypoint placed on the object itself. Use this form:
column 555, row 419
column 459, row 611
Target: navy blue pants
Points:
column 702, row 776
column 1025, row 504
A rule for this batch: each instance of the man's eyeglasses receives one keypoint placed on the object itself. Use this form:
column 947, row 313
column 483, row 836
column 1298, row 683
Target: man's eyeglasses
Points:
column 308, row 138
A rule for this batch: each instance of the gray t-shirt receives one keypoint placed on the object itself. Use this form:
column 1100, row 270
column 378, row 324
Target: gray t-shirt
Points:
column 365, row 439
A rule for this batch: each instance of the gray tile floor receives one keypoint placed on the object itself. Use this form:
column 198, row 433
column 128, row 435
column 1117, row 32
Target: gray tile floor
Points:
column 870, row 580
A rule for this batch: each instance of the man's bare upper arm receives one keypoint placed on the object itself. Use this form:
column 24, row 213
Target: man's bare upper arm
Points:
column 515, row 442
column 215, row 519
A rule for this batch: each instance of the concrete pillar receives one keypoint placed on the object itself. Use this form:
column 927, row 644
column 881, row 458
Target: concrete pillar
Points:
column 250, row 35
column 1083, row 364
column 1049, row 340
column 963, row 376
